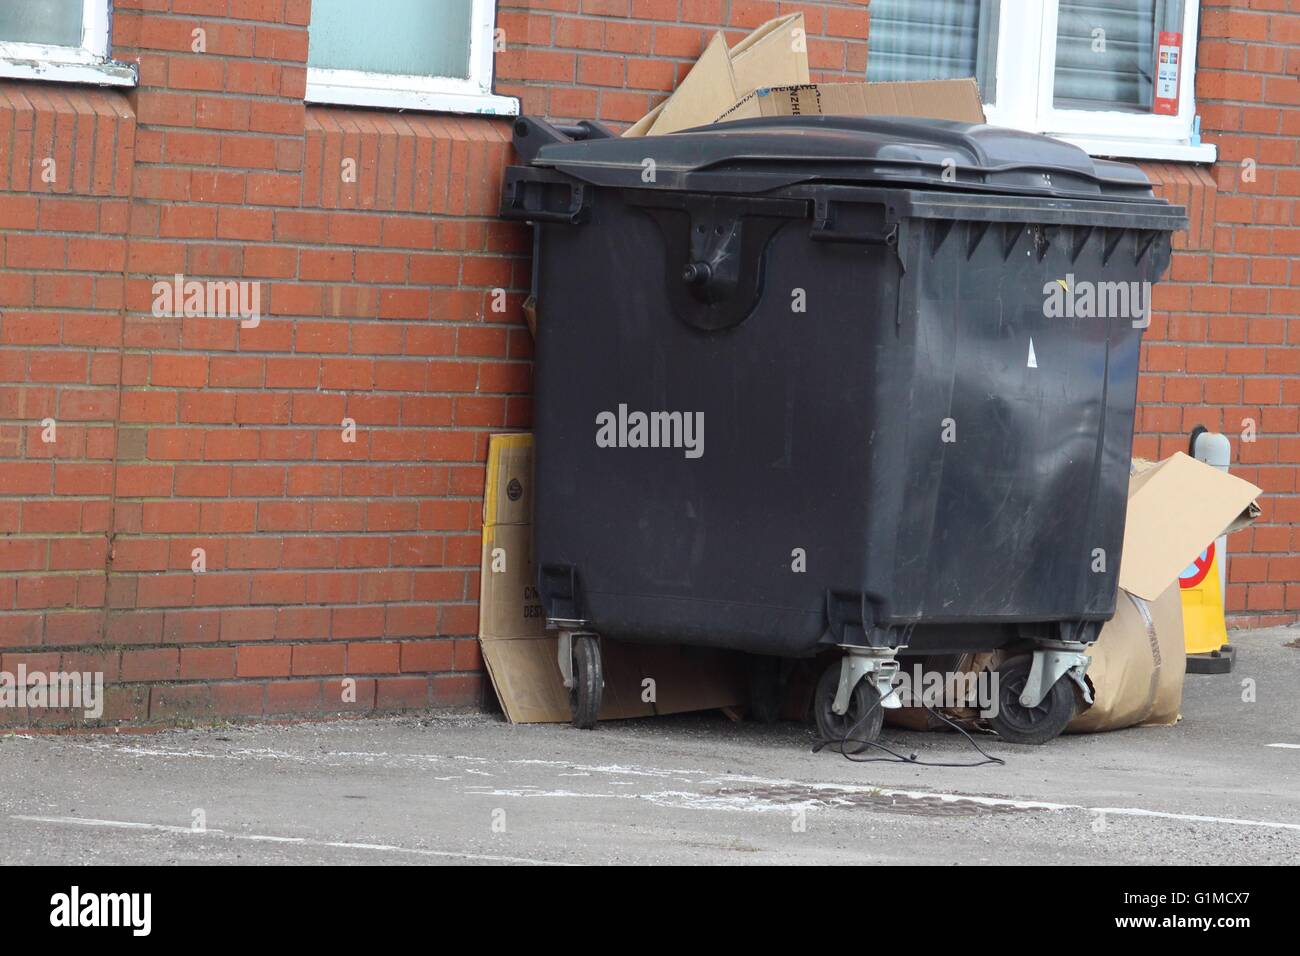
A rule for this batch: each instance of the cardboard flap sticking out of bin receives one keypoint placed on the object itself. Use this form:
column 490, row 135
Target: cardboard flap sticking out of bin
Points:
column 929, row 99
column 521, row 655
column 707, row 89
column 775, row 54
column 1175, row 509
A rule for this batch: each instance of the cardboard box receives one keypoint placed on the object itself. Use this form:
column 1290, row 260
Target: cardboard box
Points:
column 933, row 99
column 775, row 54
column 519, row 653
column 766, row 74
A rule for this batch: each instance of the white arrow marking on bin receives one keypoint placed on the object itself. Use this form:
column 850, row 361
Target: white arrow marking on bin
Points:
column 1033, row 359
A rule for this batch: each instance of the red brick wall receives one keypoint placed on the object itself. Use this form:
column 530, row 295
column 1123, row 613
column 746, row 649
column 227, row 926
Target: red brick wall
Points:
column 329, row 560
column 1225, row 347
column 324, row 559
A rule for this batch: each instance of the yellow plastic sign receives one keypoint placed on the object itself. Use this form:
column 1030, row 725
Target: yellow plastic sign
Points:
column 1204, row 628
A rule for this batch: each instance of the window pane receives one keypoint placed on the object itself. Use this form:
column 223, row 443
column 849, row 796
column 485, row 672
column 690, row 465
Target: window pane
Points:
column 52, row 22
column 934, row 40
column 1105, row 52
column 398, row 37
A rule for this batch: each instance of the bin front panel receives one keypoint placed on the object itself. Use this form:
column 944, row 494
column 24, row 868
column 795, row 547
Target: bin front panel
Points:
column 735, row 546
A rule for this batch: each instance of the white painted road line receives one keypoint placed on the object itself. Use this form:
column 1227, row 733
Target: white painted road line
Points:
column 1286, row 746
column 302, row 841
column 1112, row 811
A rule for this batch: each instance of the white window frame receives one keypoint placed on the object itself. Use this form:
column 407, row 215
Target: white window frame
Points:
column 433, row 93
column 1026, row 71
column 87, row 63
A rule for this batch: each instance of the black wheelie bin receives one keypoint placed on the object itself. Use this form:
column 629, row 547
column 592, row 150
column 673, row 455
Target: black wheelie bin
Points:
column 814, row 382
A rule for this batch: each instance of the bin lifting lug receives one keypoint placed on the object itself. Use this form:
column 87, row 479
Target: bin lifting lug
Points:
column 714, row 250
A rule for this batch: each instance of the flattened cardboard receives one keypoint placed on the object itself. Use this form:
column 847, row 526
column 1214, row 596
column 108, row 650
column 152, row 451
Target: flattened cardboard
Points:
column 775, row 54
column 508, row 493
column 684, row 676
column 703, row 94
column 933, row 99
column 519, row 653
column 508, row 603
column 1137, row 665
column 643, row 126
column 1175, row 509
column 526, row 678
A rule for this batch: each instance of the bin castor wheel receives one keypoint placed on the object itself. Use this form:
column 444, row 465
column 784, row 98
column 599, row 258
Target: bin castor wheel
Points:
column 853, row 731
column 588, row 681
column 764, row 689
column 1019, row 724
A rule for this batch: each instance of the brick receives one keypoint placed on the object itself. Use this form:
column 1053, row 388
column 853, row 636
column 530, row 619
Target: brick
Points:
column 293, row 697
column 402, row 693
column 263, row 661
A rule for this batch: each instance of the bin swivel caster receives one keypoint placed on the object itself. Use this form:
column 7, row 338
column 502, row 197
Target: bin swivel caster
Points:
column 1038, row 693
column 584, row 676
column 849, row 705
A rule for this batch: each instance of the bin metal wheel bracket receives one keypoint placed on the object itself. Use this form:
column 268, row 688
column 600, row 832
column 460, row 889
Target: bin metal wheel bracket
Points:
column 859, row 663
column 1052, row 662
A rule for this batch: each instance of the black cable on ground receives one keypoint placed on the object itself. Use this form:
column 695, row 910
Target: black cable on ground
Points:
column 899, row 758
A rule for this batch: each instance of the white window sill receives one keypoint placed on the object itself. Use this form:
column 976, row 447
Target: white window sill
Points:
column 487, row 104
column 96, row 74
column 1115, row 148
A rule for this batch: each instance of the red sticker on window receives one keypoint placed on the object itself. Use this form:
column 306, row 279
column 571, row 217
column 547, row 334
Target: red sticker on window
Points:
column 1169, row 55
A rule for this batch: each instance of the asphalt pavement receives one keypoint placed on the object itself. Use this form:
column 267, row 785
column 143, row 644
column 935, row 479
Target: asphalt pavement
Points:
column 1221, row 786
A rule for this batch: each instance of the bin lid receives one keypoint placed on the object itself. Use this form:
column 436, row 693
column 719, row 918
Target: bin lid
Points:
column 756, row 155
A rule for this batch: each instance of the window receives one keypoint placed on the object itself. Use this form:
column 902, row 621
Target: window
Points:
column 1112, row 76
column 405, row 54
column 59, row 40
